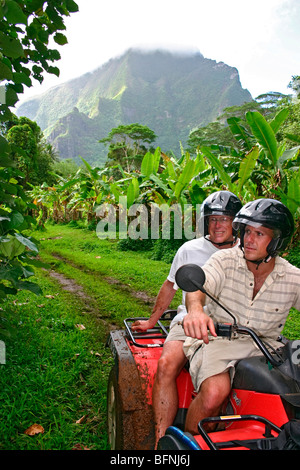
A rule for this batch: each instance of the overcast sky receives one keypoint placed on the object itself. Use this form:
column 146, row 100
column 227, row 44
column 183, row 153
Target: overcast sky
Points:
column 260, row 38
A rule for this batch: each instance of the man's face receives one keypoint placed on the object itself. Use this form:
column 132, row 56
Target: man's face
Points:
column 220, row 228
column 256, row 240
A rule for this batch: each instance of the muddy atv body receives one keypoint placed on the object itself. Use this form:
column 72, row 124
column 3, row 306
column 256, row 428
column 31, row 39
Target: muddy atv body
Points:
column 129, row 394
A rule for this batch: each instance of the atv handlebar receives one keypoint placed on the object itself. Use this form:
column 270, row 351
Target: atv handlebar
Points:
column 259, row 343
column 227, row 330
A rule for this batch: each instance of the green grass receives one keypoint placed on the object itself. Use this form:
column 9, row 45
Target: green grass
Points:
column 55, row 373
column 85, row 250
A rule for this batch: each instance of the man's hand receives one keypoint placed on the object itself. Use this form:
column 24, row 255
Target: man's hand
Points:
column 163, row 300
column 142, row 325
column 198, row 325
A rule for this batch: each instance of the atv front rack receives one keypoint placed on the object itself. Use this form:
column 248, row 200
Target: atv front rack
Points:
column 158, row 332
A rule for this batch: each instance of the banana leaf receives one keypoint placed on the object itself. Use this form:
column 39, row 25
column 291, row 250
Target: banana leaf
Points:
column 215, row 162
column 264, row 134
column 246, row 167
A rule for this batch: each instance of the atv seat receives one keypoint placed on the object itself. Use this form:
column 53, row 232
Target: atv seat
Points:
column 256, row 374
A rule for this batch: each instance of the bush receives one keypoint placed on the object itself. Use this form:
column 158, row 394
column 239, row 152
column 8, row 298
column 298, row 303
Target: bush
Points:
column 294, row 256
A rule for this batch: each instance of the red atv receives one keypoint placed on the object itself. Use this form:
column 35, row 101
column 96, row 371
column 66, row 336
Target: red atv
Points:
column 264, row 400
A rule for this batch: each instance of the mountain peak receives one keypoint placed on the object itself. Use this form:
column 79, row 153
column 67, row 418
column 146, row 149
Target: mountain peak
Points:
column 171, row 92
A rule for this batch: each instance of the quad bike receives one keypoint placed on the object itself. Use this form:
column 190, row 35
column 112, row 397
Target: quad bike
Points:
column 264, row 400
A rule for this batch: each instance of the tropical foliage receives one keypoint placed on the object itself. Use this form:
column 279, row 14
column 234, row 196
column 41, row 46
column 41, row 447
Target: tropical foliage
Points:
column 25, row 29
column 258, row 166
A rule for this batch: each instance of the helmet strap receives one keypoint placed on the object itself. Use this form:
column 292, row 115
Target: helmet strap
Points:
column 258, row 261
column 229, row 242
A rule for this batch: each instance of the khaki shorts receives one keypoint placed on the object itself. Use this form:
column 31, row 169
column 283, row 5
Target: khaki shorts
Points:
column 176, row 333
column 217, row 356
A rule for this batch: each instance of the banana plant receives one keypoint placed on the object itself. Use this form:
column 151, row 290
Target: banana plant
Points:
column 262, row 167
column 292, row 197
column 273, row 156
column 175, row 181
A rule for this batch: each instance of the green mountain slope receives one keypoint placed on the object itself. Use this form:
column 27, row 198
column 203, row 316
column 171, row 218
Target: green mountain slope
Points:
column 170, row 93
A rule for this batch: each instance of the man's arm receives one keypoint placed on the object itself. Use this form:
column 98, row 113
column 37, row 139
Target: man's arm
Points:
column 162, row 302
column 197, row 323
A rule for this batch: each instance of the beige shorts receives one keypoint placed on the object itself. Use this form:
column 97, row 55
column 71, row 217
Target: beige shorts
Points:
column 217, row 356
column 176, row 333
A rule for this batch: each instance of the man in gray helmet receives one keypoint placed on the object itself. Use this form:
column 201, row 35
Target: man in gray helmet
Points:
column 217, row 213
column 257, row 286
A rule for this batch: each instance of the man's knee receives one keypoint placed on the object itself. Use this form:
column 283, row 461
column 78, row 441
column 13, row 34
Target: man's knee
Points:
column 215, row 390
column 165, row 367
column 169, row 366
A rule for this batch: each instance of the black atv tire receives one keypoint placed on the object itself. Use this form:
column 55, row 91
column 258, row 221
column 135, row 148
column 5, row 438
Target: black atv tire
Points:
column 115, row 422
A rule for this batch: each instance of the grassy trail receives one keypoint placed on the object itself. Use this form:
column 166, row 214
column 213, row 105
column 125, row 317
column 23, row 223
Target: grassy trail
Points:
column 56, row 361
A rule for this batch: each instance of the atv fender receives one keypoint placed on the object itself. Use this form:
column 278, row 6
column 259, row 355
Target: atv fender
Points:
column 130, row 417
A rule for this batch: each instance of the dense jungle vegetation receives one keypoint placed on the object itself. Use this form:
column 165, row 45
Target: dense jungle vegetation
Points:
column 49, row 211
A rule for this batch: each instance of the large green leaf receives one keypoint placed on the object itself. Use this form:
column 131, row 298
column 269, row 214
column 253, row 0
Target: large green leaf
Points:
column 5, row 72
column 156, row 157
column 147, row 166
column 5, row 159
column 171, row 171
column 160, row 184
column 215, row 162
column 294, row 138
column 31, row 286
column 10, row 273
column 115, row 190
column 246, row 167
column 289, row 154
column 26, row 242
column 11, row 248
column 279, row 119
column 14, row 13
column 239, row 132
column 197, row 193
column 185, row 178
column 10, row 46
column 132, row 191
column 294, row 193
column 264, row 134
column 16, row 219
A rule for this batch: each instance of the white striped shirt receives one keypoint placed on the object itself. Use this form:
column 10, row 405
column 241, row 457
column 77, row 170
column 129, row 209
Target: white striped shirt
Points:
column 230, row 281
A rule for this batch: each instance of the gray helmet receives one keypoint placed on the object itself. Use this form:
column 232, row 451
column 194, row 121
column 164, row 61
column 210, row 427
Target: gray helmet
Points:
column 267, row 213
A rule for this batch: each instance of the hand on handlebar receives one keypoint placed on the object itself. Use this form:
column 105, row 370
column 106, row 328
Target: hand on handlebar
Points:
column 199, row 325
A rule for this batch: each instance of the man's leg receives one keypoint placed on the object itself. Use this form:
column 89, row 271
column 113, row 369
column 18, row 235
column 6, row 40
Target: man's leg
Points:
column 213, row 392
column 165, row 396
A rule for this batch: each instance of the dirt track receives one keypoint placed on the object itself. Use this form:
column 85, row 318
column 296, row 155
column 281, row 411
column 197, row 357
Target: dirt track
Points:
column 90, row 303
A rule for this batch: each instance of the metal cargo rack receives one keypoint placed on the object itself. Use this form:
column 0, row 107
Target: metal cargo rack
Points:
column 158, row 332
